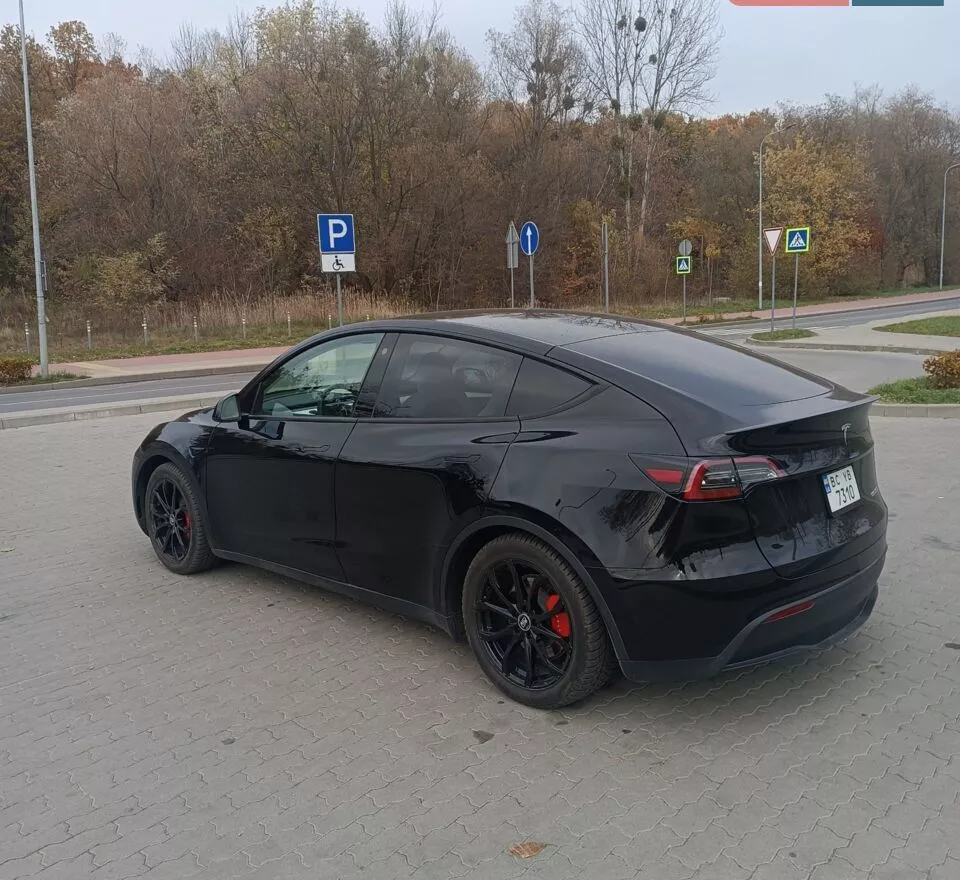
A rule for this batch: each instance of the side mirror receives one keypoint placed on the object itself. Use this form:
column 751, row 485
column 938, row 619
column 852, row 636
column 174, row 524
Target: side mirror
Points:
column 228, row 409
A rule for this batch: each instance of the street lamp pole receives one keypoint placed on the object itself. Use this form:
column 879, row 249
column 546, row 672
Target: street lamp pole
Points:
column 943, row 218
column 38, row 268
column 760, row 217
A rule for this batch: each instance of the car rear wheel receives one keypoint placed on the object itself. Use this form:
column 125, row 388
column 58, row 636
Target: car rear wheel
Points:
column 174, row 522
column 532, row 625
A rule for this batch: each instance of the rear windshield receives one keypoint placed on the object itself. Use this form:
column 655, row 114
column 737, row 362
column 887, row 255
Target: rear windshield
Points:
column 708, row 370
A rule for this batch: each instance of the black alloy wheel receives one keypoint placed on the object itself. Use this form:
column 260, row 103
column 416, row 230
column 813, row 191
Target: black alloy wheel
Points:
column 175, row 523
column 171, row 522
column 524, row 624
column 532, row 624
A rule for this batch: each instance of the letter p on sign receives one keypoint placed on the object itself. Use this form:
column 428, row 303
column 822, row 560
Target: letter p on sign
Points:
column 336, row 232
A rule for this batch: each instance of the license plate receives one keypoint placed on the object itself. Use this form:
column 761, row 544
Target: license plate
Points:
column 841, row 488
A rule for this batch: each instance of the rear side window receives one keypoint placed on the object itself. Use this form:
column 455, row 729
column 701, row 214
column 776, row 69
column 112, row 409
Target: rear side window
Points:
column 541, row 388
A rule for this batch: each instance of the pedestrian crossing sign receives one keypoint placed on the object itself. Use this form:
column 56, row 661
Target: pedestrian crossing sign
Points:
column 683, row 265
column 797, row 240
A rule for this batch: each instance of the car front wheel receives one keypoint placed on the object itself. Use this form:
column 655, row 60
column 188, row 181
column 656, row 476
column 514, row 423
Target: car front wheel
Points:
column 530, row 621
column 174, row 522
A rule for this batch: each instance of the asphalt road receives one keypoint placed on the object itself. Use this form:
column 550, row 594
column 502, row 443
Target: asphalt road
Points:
column 836, row 320
column 856, row 371
column 49, row 398
column 236, row 725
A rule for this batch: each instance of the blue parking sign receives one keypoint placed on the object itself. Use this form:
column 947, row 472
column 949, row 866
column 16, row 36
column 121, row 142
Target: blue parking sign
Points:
column 336, row 233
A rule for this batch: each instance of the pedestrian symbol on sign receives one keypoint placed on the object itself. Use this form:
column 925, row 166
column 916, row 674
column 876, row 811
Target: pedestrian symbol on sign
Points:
column 683, row 265
column 798, row 240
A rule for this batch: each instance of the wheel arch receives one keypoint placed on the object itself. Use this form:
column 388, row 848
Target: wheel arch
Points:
column 476, row 535
column 149, row 460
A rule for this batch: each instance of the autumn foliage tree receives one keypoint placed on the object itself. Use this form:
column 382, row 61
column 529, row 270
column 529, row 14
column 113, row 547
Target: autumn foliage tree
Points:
column 167, row 181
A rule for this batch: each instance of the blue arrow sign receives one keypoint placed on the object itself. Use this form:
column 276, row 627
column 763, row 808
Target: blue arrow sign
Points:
column 529, row 238
column 797, row 240
column 336, row 234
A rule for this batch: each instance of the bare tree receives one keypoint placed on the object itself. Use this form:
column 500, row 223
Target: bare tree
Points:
column 647, row 64
column 538, row 70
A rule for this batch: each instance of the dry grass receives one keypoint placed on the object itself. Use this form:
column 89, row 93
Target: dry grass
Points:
column 219, row 319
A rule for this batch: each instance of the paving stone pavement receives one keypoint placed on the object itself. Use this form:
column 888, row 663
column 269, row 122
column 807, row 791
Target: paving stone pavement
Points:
column 238, row 725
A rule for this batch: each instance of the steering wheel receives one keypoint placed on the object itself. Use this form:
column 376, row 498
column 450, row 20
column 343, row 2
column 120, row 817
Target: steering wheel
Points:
column 337, row 401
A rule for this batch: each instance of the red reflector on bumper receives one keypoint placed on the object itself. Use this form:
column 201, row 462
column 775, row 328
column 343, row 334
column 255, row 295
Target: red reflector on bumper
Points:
column 790, row 611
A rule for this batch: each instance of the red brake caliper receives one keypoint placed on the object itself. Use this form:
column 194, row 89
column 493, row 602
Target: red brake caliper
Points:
column 559, row 622
column 186, row 523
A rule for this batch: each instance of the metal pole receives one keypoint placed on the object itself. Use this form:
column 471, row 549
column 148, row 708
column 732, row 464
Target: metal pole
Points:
column 760, row 214
column 943, row 219
column 532, row 300
column 773, row 290
column 796, row 272
column 38, row 271
column 684, row 321
column 339, row 301
column 511, row 288
column 760, row 229
column 605, row 232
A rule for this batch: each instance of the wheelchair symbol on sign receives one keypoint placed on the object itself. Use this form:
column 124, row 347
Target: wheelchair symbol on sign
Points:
column 337, row 264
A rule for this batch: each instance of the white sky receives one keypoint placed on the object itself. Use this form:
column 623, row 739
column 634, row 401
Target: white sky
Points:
column 768, row 55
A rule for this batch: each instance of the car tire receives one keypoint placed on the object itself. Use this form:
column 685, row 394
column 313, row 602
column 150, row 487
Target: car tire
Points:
column 584, row 657
column 181, row 543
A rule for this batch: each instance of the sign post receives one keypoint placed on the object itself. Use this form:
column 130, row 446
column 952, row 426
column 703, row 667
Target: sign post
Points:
column 684, row 266
column 529, row 242
column 605, row 246
column 772, row 237
column 338, row 249
column 513, row 256
column 797, row 242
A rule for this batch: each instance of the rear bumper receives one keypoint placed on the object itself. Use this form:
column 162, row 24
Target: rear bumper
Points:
column 837, row 611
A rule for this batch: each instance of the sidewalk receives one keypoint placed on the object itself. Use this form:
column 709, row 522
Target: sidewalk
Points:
column 170, row 365
column 252, row 359
column 864, row 337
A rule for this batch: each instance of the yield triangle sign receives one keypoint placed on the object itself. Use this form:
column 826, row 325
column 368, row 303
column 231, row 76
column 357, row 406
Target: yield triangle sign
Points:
column 773, row 238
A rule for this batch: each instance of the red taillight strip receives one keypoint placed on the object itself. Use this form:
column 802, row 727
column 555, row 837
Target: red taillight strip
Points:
column 667, row 478
column 694, row 490
column 791, row 610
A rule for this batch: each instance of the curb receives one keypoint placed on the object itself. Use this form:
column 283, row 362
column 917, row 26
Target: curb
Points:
column 828, row 346
column 29, row 418
column 916, row 410
column 137, row 377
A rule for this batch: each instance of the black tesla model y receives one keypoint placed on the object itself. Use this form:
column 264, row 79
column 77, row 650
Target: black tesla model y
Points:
column 575, row 494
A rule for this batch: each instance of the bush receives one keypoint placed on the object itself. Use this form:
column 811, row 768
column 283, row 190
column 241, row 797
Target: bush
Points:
column 944, row 369
column 15, row 369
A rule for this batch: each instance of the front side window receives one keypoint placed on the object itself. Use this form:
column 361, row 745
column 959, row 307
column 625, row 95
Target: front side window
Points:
column 431, row 377
column 322, row 381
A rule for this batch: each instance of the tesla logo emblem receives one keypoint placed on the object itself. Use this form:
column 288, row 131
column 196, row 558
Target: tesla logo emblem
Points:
column 846, row 430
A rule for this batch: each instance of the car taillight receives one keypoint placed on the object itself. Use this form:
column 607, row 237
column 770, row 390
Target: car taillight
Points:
column 715, row 479
column 712, row 481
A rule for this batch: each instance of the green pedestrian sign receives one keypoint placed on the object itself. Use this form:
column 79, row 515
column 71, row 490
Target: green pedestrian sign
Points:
column 797, row 240
column 683, row 266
